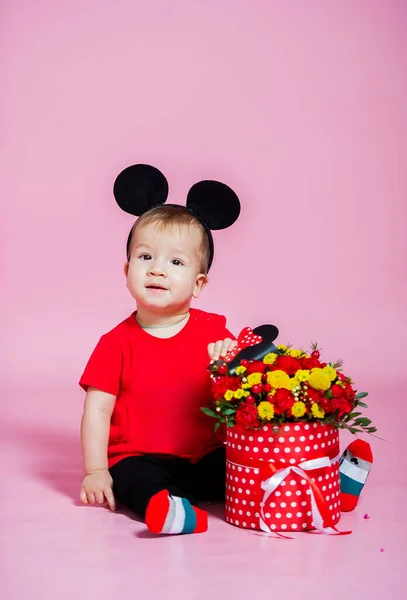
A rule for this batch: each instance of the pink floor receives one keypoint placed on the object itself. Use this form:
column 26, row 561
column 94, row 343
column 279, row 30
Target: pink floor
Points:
column 54, row 548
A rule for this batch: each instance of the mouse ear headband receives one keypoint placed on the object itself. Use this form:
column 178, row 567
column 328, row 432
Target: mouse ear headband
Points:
column 139, row 188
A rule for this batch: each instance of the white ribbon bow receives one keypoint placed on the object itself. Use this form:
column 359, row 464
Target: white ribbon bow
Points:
column 272, row 483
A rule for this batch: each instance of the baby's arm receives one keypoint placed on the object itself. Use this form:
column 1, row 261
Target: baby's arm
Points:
column 95, row 426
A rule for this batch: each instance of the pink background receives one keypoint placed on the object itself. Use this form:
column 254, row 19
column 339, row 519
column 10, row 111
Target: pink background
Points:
column 299, row 106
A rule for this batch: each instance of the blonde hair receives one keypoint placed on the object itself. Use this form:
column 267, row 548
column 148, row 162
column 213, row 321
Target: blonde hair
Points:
column 169, row 216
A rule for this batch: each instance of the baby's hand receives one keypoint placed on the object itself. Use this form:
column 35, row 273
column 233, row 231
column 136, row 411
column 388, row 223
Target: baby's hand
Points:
column 97, row 489
column 220, row 348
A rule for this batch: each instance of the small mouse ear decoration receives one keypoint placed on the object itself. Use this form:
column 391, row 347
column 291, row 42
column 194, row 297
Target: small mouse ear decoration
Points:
column 214, row 203
column 140, row 187
column 252, row 345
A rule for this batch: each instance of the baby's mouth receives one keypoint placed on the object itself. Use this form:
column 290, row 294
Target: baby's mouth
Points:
column 154, row 286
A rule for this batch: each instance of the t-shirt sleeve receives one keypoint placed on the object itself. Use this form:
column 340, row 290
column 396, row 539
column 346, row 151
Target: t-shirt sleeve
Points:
column 104, row 368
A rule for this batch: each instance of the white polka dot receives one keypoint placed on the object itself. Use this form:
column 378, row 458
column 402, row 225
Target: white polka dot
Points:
column 308, row 492
column 255, row 449
column 265, row 428
column 294, row 525
column 327, row 498
column 330, row 507
column 244, row 524
column 299, row 514
column 292, row 461
column 239, row 469
column 243, row 437
column 281, row 440
column 243, row 480
column 237, row 522
column 330, row 486
column 303, row 503
column 293, row 504
column 260, row 439
column 291, row 439
column 309, row 513
column 267, row 515
column 289, row 515
column 311, row 437
column 283, row 483
column 239, row 447
column 271, row 439
column 319, row 435
column 292, row 482
column 302, row 438
column 240, row 512
column 326, row 433
column 251, row 481
column 272, row 504
column 239, row 490
column 244, row 502
column 276, row 450
column 287, row 450
column 236, row 479
column 320, row 478
column 265, row 450
column 273, row 526
column 303, row 482
column 252, row 503
column 283, row 505
column 247, row 470
column 306, row 426
column 323, row 488
column 297, row 449
column 298, row 493
column 304, row 526
column 286, row 428
column 327, row 476
column 278, row 515
column 253, row 526
column 307, row 448
column 236, row 436
column 296, row 428
column 248, row 492
column 316, row 446
column 288, row 494
column 250, row 438
column 277, row 493
column 283, row 526
column 257, row 515
column 256, row 471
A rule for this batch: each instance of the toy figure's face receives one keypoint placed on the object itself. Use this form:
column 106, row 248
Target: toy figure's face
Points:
column 163, row 273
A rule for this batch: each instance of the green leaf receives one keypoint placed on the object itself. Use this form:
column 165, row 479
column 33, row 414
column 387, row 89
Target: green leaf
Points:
column 352, row 416
column 355, row 430
column 217, row 425
column 362, row 404
column 371, row 429
column 229, row 411
column 362, row 395
column 328, row 395
column 208, row 412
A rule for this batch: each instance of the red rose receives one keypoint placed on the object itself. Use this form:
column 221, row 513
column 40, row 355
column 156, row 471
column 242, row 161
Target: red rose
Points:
column 246, row 416
column 255, row 366
column 220, row 385
column 341, row 405
column 326, row 405
column 283, row 401
column 337, row 391
column 349, row 393
column 313, row 395
column 309, row 363
column 288, row 364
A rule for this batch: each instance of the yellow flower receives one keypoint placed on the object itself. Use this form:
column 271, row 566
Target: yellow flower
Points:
column 270, row 358
column 245, row 394
column 229, row 395
column 318, row 412
column 319, row 380
column 302, row 374
column 240, row 370
column 254, row 379
column 291, row 384
column 239, row 394
column 265, row 410
column 282, row 347
column 298, row 409
column 246, row 386
column 278, row 379
column 296, row 353
column 330, row 372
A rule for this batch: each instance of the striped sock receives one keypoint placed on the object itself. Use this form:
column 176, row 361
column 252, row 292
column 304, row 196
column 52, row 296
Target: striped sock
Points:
column 355, row 465
column 172, row 514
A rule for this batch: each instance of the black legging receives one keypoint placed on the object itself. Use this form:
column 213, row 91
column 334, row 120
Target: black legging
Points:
column 137, row 478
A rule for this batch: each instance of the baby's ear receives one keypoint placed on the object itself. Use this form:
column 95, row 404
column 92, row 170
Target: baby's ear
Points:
column 140, row 187
column 214, row 203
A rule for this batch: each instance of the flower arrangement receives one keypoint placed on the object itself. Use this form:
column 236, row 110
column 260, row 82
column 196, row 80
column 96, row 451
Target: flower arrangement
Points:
column 286, row 386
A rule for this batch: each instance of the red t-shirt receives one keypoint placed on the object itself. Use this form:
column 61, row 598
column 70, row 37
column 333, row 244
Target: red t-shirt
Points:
column 160, row 385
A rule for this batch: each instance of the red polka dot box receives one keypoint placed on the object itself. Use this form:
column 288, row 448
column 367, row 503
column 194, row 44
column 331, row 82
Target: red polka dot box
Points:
column 283, row 480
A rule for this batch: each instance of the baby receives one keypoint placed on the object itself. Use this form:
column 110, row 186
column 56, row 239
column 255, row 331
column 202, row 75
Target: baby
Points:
column 145, row 441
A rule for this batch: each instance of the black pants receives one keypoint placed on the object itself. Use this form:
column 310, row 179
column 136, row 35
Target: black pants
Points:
column 137, row 478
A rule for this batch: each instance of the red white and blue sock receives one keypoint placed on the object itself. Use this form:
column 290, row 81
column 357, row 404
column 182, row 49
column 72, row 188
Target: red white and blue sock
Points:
column 355, row 465
column 174, row 515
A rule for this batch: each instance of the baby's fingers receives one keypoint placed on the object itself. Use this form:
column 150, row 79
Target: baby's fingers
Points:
column 227, row 345
column 83, row 497
column 110, row 498
column 216, row 350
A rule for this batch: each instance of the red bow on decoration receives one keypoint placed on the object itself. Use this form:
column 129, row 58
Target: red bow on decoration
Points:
column 246, row 338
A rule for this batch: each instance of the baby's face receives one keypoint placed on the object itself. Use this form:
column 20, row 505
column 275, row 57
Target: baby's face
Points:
column 164, row 269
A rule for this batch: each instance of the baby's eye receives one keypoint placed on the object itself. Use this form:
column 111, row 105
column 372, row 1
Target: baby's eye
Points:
column 145, row 256
column 177, row 262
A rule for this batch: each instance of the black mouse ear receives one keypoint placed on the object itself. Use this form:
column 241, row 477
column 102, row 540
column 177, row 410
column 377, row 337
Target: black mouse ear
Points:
column 214, row 203
column 140, row 187
column 250, row 348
